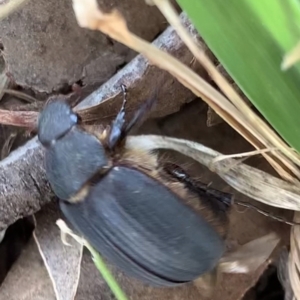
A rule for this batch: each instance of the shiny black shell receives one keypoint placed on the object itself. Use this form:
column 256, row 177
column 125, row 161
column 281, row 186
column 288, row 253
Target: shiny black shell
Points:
column 142, row 227
column 132, row 219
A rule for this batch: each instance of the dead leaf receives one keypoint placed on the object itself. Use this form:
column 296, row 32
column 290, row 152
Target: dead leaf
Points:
column 268, row 189
column 62, row 261
column 249, row 257
column 28, row 279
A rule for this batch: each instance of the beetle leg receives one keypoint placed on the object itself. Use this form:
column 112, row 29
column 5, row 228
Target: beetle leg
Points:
column 221, row 201
column 216, row 202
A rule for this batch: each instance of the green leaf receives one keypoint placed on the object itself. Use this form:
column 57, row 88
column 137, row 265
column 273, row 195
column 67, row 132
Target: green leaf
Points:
column 250, row 39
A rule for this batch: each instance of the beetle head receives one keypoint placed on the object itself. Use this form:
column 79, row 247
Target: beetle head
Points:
column 55, row 121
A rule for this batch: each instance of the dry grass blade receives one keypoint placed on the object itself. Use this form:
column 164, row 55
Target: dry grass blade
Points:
column 271, row 139
column 90, row 16
column 268, row 189
column 291, row 58
column 4, row 83
column 294, row 259
column 283, row 274
column 245, row 154
column 20, row 95
column 5, row 150
column 10, row 6
column 260, row 129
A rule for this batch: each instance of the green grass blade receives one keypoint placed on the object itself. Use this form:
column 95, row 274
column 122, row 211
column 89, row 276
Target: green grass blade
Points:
column 106, row 274
column 250, row 38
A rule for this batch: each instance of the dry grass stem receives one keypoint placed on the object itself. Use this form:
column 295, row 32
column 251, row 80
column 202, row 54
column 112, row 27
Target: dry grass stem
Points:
column 261, row 130
column 252, row 182
column 294, row 259
column 291, row 58
column 244, row 154
column 4, row 83
column 10, row 6
column 20, row 95
column 113, row 24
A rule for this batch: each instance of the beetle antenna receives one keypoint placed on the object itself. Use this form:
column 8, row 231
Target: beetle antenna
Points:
column 216, row 199
column 117, row 127
column 140, row 114
column 124, row 90
column 118, row 130
column 265, row 213
column 226, row 198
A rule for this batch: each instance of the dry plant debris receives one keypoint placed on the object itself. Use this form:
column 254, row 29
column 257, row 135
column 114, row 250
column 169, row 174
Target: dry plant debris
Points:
column 291, row 58
column 62, row 261
column 111, row 23
column 91, row 285
column 10, row 6
column 268, row 189
column 236, row 112
column 23, row 185
column 46, row 269
column 28, row 279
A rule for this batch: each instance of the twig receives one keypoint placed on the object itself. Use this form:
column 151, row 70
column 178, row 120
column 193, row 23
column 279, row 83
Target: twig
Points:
column 25, row 119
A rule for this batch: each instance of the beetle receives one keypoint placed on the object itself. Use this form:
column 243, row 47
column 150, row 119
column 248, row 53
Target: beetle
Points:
column 143, row 215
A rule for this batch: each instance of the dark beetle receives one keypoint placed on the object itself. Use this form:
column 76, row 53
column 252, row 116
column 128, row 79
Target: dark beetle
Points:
column 144, row 217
